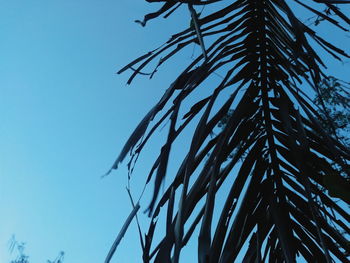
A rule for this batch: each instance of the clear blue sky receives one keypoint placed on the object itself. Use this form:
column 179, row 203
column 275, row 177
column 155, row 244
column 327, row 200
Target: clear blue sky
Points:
column 64, row 116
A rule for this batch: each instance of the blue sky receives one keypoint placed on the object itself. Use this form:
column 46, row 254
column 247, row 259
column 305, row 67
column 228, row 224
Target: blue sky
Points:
column 64, row 116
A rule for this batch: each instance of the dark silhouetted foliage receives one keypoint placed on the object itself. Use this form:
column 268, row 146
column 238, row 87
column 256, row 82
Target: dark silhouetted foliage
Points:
column 285, row 172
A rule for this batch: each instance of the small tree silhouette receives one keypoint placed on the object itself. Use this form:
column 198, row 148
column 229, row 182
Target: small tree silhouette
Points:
column 21, row 257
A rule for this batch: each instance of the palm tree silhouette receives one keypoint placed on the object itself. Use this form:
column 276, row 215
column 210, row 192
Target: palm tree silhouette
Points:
column 287, row 176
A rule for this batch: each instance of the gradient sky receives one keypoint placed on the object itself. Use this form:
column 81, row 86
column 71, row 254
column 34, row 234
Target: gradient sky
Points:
column 64, row 116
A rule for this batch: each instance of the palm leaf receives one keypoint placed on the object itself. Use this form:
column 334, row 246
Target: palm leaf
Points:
column 276, row 168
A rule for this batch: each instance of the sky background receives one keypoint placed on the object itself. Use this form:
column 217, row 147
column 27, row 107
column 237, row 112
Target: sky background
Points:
column 64, row 117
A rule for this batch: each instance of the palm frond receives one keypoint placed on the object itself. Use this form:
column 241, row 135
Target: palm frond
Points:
column 273, row 154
